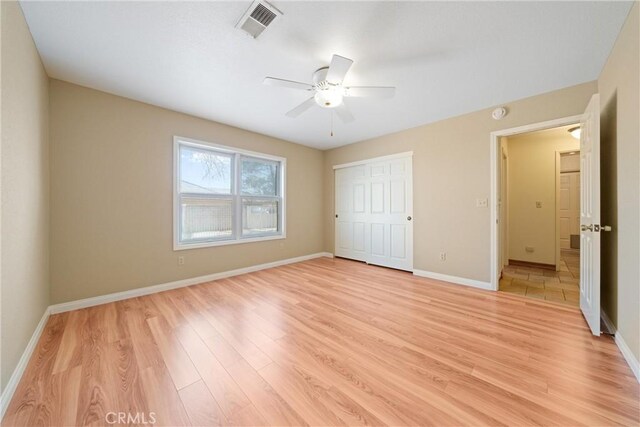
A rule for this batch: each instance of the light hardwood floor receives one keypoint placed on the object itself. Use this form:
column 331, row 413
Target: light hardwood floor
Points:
column 326, row 342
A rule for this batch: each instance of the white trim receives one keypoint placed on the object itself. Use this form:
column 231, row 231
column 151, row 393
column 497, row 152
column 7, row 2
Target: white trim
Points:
column 628, row 355
column 231, row 150
column 187, row 246
column 236, row 153
column 375, row 159
column 118, row 296
column 611, row 328
column 494, row 140
column 453, row 279
column 12, row 384
column 622, row 345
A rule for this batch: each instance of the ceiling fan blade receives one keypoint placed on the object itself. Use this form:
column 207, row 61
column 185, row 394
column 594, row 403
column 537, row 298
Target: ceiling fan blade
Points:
column 342, row 111
column 301, row 108
column 338, row 68
column 370, row 91
column 272, row 81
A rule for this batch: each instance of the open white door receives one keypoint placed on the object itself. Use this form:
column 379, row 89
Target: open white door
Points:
column 590, row 214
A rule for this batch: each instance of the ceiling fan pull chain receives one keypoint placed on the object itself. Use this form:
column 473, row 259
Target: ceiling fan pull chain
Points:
column 332, row 123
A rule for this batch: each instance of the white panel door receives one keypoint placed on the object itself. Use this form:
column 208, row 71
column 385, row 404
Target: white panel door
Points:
column 569, row 207
column 374, row 204
column 351, row 212
column 391, row 224
column 590, row 214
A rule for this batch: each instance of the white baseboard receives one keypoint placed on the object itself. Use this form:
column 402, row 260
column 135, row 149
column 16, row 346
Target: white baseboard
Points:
column 118, row 296
column 622, row 345
column 628, row 355
column 453, row 279
column 12, row 385
column 611, row 329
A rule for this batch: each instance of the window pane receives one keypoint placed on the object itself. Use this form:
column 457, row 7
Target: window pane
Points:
column 259, row 216
column 259, row 177
column 205, row 219
column 204, row 172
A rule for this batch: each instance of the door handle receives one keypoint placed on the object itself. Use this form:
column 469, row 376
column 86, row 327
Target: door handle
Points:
column 408, row 218
column 595, row 228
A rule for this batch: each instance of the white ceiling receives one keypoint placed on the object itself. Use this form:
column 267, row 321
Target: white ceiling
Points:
column 445, row 58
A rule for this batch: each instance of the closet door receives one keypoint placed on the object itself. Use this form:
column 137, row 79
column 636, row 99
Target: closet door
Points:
column 351, row 213
column 390, row 222
column 374, row 205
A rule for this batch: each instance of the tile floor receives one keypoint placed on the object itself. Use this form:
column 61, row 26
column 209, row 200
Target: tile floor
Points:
column 559, row 286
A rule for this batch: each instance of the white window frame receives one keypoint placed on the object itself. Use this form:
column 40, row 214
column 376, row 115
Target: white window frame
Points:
column 236, row 195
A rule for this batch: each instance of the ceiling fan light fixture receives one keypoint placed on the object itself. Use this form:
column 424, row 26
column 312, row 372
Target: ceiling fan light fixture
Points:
column 328, row 91
column 575, row 132
column 329, row 97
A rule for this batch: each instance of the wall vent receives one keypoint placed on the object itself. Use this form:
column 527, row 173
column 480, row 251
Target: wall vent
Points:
column 258, row 17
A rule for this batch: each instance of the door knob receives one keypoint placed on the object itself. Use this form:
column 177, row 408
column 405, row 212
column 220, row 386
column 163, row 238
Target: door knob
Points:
column 408, row 218
column 605, row 228
column 336, row 215
column 586, row 227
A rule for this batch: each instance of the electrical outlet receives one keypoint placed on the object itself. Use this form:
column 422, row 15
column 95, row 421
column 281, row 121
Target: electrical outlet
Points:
column 180, row 260
column 482, row 203
column 443, row 256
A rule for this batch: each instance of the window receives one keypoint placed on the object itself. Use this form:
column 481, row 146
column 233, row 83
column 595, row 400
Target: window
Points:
column 225, row 196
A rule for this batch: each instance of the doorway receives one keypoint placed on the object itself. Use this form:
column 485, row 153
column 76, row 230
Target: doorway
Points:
column 502, row 207
column 539, row 202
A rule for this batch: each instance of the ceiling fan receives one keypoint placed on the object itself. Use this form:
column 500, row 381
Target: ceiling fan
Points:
column 328, row 90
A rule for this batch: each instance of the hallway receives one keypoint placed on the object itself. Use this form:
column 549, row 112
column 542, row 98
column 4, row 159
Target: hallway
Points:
column 559, row 286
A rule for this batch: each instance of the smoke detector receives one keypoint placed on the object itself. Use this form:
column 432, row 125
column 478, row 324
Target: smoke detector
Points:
column 258, row 17
column 499, row 113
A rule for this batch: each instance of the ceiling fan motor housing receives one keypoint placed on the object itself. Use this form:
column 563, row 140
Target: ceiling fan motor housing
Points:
column 320, row 75
column 328, row 95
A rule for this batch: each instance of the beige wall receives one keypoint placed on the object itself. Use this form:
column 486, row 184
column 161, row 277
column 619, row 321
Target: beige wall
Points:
column 111, row 212
column 25, row 188
column 532, row 178
column 620, row 138
column 451, row 171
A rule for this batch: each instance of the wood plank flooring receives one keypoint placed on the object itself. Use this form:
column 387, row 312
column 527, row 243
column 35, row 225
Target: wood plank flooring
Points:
column 325, row 342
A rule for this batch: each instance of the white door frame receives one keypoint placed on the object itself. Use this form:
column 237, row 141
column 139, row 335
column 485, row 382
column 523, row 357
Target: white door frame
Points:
column 495, row 190
column 503, row 230
column 374, row 159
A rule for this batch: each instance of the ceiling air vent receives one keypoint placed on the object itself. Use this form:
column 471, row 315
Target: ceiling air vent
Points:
column 257, row 18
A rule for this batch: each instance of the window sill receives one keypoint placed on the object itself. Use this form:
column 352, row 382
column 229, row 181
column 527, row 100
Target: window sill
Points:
column 186, row 246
